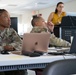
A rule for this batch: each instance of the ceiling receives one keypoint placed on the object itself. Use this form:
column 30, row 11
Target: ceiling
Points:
column 19, row 6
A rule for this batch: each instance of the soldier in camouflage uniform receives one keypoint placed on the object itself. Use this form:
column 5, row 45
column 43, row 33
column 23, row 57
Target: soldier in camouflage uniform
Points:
column 9, row 39
column 39, row 26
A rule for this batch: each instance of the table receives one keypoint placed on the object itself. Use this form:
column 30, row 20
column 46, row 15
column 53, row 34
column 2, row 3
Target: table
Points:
column 19, row 62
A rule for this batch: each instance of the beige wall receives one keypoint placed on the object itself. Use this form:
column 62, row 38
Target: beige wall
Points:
column 25, row 18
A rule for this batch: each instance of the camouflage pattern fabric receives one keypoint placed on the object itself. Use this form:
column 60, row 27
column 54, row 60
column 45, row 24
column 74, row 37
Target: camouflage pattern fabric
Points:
column 10, row 37
column 53, row 39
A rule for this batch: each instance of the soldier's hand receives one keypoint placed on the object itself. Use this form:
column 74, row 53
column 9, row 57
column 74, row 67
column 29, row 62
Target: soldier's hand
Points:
column 9, row 48
column 50, row 25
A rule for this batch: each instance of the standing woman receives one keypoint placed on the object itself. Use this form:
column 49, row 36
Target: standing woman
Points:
column 56, row 17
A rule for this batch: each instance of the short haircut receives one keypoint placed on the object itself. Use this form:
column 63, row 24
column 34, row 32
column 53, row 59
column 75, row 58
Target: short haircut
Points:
column 35, row 19
column 2, row 10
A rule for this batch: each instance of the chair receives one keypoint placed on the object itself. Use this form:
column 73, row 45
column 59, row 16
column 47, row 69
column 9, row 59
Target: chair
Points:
column 61, row 67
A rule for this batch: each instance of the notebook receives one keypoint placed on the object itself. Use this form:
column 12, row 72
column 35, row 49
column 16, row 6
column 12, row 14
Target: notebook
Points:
column 35, row 42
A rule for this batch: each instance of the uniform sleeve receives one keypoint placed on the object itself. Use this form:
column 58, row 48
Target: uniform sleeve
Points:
column 1, row 48
column 58, row 42
column 1, row 44
column 17, row 42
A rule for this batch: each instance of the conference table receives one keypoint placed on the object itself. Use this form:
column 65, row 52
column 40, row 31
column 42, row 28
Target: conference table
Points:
column 10, row 62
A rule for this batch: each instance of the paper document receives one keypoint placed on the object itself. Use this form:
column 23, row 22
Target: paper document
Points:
column 57, row 49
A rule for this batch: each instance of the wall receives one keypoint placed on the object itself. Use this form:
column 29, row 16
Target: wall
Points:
column 24, row 20
column 68, row 7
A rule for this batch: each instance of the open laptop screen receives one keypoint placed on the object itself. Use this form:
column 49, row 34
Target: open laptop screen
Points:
column 73, row 46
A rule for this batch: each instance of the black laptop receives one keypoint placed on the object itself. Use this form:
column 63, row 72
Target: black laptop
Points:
column 68, row 21
column 73, row 46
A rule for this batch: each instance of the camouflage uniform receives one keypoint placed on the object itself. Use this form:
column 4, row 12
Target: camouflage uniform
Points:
column 10, row 37
column 53, row 39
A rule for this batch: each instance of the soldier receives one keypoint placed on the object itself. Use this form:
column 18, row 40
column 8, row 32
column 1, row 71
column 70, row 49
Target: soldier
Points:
column 9, row 39
column 39, row 26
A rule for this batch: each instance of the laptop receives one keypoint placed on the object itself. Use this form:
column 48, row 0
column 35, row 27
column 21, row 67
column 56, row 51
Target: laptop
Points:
column 73, row 46
column 35, row 42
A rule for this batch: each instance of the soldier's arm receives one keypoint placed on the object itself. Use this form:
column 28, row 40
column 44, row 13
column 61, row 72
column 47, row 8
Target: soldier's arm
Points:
column 58, row 42
column 17, row 42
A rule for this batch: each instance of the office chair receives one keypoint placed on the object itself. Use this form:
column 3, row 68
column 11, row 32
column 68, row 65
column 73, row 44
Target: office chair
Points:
column 61, row 67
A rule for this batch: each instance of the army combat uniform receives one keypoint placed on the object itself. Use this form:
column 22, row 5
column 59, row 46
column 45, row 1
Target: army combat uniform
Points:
column 10, row 37
column 53, row 39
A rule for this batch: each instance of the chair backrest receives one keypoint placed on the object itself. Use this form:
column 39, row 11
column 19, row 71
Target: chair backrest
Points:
column 61, row 67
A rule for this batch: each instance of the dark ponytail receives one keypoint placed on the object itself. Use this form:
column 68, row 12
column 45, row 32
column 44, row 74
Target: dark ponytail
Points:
column 57, row 6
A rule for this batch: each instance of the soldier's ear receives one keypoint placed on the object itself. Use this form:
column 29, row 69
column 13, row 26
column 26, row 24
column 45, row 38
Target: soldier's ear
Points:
column 36, row 23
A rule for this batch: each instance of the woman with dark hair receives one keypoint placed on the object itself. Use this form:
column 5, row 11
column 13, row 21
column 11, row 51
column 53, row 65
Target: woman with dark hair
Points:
column 56, row 17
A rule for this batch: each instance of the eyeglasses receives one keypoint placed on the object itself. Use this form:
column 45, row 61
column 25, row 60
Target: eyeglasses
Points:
column 61, row 6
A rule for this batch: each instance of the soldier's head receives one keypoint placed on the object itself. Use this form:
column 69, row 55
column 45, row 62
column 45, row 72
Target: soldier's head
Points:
column 4, row 18
column 38, row 21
